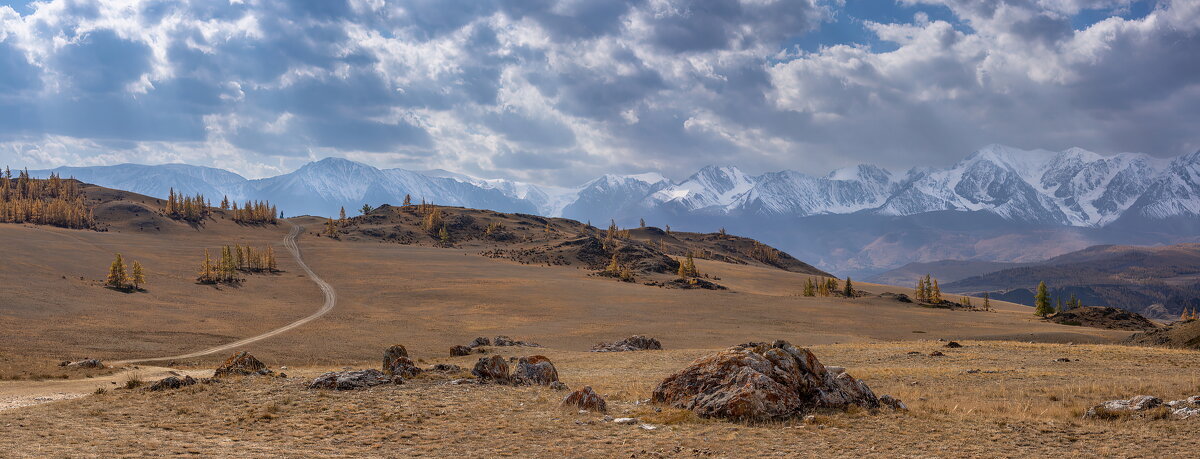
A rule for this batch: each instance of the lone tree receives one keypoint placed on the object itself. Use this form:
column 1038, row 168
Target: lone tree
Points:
column 1041, row 301
column 987, row 301
column 641, row 223
column 849, row 291
column 407, row 200
column 936, row 296
column 138, row 277
column 116, row 274
column 366, row 209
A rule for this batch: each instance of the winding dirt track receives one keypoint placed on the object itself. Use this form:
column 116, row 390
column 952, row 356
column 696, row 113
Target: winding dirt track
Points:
column 18, row 394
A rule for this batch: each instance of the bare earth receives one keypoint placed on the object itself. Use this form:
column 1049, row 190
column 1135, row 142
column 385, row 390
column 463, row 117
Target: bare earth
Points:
column 1020, row 403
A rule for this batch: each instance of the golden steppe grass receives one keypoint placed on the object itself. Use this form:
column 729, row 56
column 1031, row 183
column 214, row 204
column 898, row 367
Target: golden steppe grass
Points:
column 1021, row 403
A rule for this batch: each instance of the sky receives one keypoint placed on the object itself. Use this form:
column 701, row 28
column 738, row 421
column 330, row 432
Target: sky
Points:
column 558, row 92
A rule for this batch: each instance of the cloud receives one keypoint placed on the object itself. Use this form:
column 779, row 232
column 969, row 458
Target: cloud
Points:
column 559, row 91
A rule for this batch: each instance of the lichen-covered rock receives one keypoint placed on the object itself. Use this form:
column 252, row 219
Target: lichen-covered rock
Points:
column 172, row 382
column 391, row 354
column 445, row 368
column 403, row 367
column 1118, row 408
column 758, row 382
column 585, row 399
column 535, row 370
column 480, row 341
column 242, row 364
column 632, row 343
column 493, row 369
column 503, row 340
column 558, row 385
column 460, row 350
column 351, row 380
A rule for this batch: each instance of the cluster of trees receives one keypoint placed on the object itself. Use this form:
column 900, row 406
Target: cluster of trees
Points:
column 187, row 208
column 764, row 253
column 928, row 291
column 120, row 279
column 614, row 269
column 613, row 233
column 52, row 201
column 1043, row 304
column 253, row 212
column 687, row 267
column 828, row 286
column 1188, row 315
column 235, row 259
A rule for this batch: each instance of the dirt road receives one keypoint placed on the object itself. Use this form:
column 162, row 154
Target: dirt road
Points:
column 16, row 394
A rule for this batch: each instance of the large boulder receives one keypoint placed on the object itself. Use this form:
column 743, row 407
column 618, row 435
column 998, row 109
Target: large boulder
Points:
column 492, row 368
column 535, row 370
column 585, row 399
column 172, row 382
column 632, row 343
column 403, row 367
column 242, row 364
column 480, row 341
column 460, row 350
column 351, row 380
column 391, row 354
column 759, row 382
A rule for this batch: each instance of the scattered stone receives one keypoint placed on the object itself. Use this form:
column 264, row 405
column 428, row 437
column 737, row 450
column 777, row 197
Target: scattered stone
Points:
column 585, row 399
column 535, row 370
column 457, row 382
column 503, row 340
column 632, row 343
column 971, row 372
column 914, row 352
column 391, row 354
column 648, row 427
column 1117, row 408
column 625, row 421
column 936, row 354
column 1062, row 359
column 403, row 367
column 480, row 341
column 242, row 364
column 172, row 382
column 445, row 368
column 492, row 368
column 892, row 402
column 460, row 350
column 87, row 362
column 758, row 382
column 558, row 385
column 352, row 380
column 953, row 345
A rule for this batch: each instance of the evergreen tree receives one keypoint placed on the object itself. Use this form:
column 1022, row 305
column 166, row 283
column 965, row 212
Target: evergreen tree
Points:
column 116, row 274
column 407, row 200
column 138, row 278
column 225, row 203
column 342, row 216
column 809, row 288
column 668, row 229
column 366, row 209
column 614, row 268
column 1041, row 301
column 987, row 301
column 444, row 236
column 849, row 291
column 936, row 296
column 641, row 223
column 919, row 293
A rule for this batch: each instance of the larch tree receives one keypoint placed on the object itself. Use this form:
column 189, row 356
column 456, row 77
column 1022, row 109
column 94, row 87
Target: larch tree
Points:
column 342, row 216
column 407, row 200
column 117, row 278
column 849, row 291
column 206, row 270
column 138, row 277
column 936, row 296
column 641, row 223
column 1041, row 301
column 987, row 301
column 919, row 293
column 366, row 209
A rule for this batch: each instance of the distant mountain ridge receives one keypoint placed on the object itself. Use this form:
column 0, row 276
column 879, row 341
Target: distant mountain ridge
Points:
column 1070, row 193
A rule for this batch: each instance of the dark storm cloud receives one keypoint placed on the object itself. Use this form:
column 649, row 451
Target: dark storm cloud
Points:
column 102, row 62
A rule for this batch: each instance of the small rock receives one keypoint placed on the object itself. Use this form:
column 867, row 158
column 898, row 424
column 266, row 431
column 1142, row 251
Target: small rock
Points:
column 585, row 399
column 953, row 345
column 936, row 354
column 535, row 370
column 914, row 352
column 648, row 427
column 480, row 341
column 402, row 367
column 1062, row 359
column 352, row 380
column 632, row 343
column 390, row 355
column 892, row 402
column 1116, row 408
column 85, row 363
column 446, row 368
column 558, row 385
column 460, row 350
column 625, row 421
column 457, row 382
column 171, row 382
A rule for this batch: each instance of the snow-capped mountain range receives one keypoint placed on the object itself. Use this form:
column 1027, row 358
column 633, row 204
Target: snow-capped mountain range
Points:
column 1074, row 187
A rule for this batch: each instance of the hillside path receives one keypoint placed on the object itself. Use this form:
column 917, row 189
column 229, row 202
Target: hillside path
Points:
column 17, row 394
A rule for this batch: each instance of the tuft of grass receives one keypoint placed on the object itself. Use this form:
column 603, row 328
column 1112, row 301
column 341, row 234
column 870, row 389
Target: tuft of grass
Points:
column 134, row 381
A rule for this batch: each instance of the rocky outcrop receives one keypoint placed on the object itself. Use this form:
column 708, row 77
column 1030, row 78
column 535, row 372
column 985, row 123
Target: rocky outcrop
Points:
column 493, row 369
column 585, row 399
column 391, row 354
column 460, row 351
column 242, row 364
column 503, row 340
column 480, row 341
column 1146, row 406
column 632, row 343
column 172, row 382
column 535, row 370
column 85, row 363
column 758, row 382
column 352, row 380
